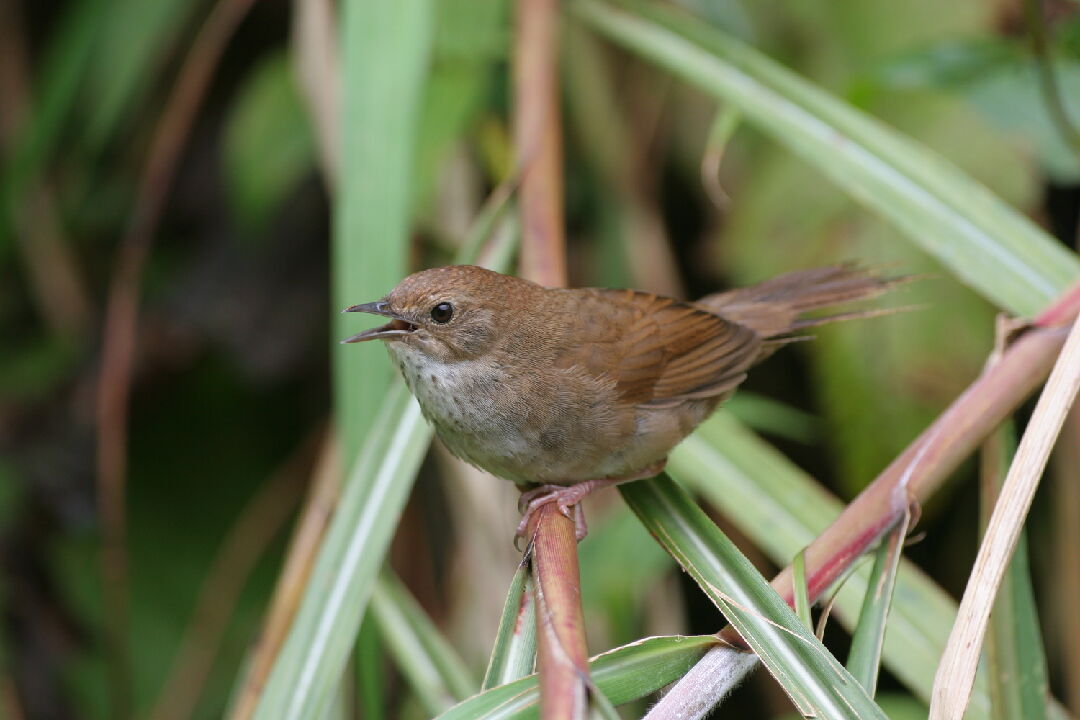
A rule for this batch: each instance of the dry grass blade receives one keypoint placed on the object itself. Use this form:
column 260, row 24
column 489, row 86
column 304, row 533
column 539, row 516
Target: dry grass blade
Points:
column 956, row 673
column 303, row 547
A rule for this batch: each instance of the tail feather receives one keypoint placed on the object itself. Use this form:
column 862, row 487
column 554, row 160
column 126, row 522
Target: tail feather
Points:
column 775, row 307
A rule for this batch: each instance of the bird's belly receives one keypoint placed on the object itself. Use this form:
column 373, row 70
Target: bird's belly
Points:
column 514, row 427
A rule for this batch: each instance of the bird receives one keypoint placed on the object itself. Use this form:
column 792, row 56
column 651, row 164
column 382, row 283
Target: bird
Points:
column 567, row 390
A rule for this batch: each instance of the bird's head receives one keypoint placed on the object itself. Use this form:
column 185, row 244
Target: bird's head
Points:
column 449, row 313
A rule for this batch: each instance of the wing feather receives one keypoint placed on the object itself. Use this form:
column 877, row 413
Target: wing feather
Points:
column 667, row 351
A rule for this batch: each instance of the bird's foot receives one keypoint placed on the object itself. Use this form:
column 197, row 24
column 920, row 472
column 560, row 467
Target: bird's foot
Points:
column 568, row 497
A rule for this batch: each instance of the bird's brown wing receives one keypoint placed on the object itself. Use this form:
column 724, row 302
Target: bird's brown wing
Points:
column 666, row 351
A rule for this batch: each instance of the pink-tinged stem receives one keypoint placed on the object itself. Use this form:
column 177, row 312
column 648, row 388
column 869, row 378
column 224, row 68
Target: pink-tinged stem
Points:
column 562, row 657
column 917, row 472
column 538, row 142
column 561, row 649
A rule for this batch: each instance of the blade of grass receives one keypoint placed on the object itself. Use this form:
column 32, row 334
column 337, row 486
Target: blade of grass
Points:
column 1014, row 647
column 868, row 640
column 339, row 706
column 370, row 676
column 514, row 653
column 57, row 81
column 782, row 510
column 956, row 672
column 133, row 43
column 413, row 433
column 54, row 276
column 435, row 672
column 322, row 495
column 350, row 556
column 816, row 683
column 802, row 597
column 471, row 43
column 492, row 215
column 601, row 706
column 723, row 128
column 386, row 50
column 990, row 246
column 923, row 466
column 765, row 414
column 624, row 674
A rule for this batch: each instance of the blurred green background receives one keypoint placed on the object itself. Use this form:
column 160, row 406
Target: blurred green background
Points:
column 231, row 368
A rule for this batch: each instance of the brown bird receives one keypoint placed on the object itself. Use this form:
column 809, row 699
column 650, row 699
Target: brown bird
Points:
column 576, row 389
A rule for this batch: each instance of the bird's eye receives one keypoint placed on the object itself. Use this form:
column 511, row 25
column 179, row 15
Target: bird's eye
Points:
column 442, row 313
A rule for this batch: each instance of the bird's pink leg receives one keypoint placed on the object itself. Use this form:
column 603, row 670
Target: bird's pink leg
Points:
column 569, row 496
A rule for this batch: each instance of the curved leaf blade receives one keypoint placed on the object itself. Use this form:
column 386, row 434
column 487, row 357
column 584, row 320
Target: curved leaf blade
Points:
column 623, row 674
column 993, row 248
column 817, row 684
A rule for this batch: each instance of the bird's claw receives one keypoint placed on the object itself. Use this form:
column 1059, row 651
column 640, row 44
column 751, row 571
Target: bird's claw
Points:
column 566, row 498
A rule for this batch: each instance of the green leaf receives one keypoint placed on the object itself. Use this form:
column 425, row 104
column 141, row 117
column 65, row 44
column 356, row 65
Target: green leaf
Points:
column 781, row 509
column 816, row 683
column 470, row 43
column 268, row 143
column 867, row 641
column 425, row 658
column 1001, row 80
column 350, row 556
column 370, row 676
column 1014, row 647
column 514, row 653
column 61, row 72
column 135, row 38
column 623, row 674
column 387, row 48
column 386, row 51
column 802, row 594
column 620, row 566
column 993, row 248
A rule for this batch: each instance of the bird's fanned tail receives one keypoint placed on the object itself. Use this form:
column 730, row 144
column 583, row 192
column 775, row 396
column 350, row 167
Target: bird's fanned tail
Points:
column 776, row 307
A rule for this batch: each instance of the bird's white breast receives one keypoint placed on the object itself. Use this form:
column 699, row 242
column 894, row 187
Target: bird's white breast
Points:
column 459, row 400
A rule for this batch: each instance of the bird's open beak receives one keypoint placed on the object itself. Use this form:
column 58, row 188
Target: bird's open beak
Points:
column 397, row 326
